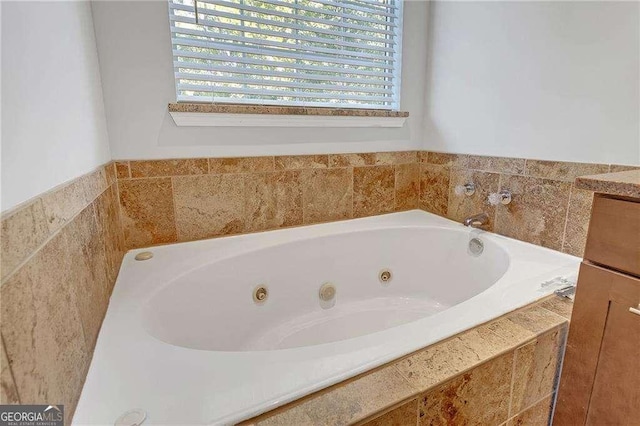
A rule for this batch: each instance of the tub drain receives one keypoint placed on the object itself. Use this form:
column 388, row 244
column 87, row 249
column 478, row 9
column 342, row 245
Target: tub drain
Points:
column 476, row 247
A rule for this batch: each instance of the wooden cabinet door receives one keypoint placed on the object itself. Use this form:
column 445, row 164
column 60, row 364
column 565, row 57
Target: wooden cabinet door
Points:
column 600, row 376
column 615, row 398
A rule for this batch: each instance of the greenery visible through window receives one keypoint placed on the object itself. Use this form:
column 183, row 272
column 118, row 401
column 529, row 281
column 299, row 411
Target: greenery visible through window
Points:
column 326, row 53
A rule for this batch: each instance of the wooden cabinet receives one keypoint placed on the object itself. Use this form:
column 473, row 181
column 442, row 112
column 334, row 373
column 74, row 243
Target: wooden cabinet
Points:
column 600, row 382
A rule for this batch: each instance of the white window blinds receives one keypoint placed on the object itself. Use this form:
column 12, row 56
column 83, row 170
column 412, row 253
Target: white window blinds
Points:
column 326, row 53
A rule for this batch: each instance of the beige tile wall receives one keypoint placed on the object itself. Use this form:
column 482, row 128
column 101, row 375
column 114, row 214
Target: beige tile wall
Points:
column 60, row 255
column 501, row 373
column 166, row 201
column 546, row 209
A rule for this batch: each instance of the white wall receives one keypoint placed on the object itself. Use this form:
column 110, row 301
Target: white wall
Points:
column 134, row 47
column 53, row 121
column 548, row 80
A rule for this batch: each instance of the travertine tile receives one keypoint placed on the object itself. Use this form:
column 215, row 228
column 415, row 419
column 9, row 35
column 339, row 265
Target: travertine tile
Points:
column 435, row 364
column 484, row 342
column 405, row 415
column 93, row 185
column 560, row 170
column 87, row 273
column 614, row 168
column 407, row 186
column 209, row 205
column 434, row 188
column 537, row 415
column 147, row 211
column 449, row 160
column 42, row 330
column 526, row 324
column 8, row 391
column 558, row 305
column 622, row 184
column 537, row 210
column 467, row 399
column 577, row 224
column 273, row 200
column 373, row 190
column 536, row 370
column 462, row 206
column 61, row 204
column 444, row 360
column 347, row 160
column 496, row 164
column 290, row 162
column 348, row 403
column 22, row 233
column 280, row 110
column 122, row 170
column 241, row 165
column 110, row 173
column 110, row 232
column 159, row 168
column 398, row 157
column 327, row 194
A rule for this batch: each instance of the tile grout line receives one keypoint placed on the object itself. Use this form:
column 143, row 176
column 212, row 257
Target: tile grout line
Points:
column 512, row 384
column 119, row 207
column 175, row 208
column 566, row 220
column 532, row 405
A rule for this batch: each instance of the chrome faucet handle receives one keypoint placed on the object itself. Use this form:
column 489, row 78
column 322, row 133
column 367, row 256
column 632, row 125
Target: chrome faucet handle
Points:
column 467, row 189
column 503, row 197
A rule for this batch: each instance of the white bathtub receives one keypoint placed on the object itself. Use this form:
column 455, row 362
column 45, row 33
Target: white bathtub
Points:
column 184, row 340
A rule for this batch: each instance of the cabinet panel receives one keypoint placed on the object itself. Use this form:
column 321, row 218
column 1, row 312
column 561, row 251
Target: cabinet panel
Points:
column 598, row 290
column 615, row 399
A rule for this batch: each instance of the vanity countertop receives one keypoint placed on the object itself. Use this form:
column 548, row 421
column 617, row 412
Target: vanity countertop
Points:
column 624, row 184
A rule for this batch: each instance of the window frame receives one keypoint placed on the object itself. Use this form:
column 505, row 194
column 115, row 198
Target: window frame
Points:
column 396, row 86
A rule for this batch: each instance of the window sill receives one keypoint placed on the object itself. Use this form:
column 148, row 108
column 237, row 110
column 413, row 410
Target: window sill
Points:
column 228, row 115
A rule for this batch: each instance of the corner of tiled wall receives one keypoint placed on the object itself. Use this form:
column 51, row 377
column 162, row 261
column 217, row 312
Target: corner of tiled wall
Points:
column 546, row 209
column 60, row 254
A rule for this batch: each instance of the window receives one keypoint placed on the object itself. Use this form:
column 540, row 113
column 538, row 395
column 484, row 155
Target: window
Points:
column 322, row 53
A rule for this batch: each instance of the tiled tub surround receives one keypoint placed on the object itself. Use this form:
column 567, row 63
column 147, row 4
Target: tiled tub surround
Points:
column 60, row 255
column 547, row 208
column 501, row 373
column 165, row 201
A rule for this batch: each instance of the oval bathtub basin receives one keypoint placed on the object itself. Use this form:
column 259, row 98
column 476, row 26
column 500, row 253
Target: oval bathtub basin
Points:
column 218, row 331
column 430, row 271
